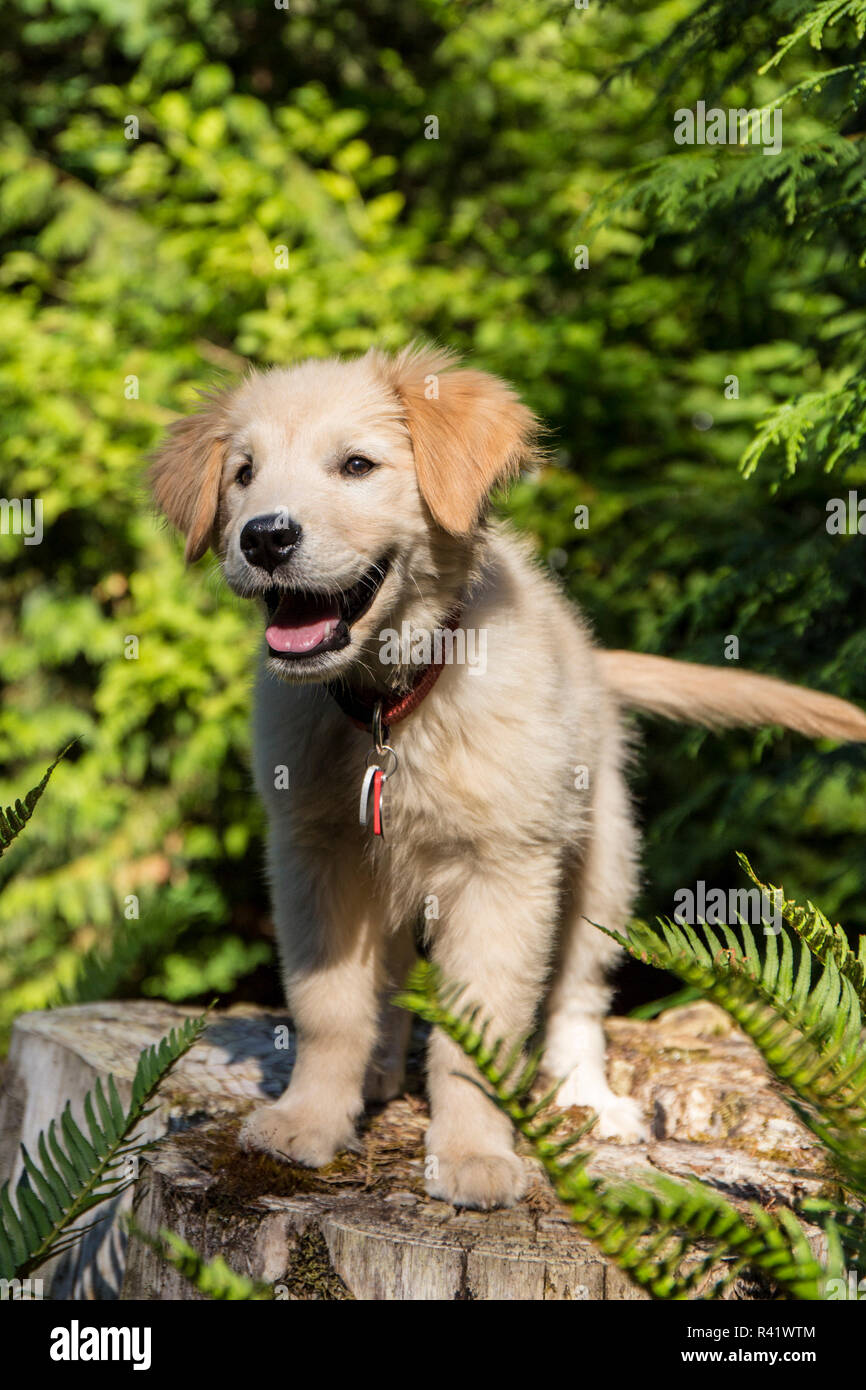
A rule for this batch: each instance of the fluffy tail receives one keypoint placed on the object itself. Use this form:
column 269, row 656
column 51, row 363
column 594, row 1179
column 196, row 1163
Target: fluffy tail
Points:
column 720, row 698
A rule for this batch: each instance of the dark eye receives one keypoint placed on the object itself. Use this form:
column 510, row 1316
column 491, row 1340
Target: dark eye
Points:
column 244, row 475
column 357, row 466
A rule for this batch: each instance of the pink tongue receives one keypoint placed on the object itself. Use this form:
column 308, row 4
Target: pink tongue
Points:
column 293, row 631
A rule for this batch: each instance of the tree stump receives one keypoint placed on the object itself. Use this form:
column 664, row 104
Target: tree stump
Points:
column 364, row 1227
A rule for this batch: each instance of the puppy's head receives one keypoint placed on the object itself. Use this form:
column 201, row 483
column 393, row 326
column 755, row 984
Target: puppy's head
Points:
column 345, row 495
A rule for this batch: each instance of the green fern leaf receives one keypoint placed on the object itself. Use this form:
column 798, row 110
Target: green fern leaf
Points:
column 823, row 940
column 669, row 1237
column 813, row 1038
column 14, row 818
column 77, row 1173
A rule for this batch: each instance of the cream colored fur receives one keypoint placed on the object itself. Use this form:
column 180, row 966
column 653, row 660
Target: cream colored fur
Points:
column 488, row 819
column 721, row 698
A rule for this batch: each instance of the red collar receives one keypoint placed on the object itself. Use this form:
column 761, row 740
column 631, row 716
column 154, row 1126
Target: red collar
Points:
column 360, row 706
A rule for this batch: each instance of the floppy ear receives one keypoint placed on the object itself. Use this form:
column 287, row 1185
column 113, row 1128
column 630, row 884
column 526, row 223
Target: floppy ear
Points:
column 469, row 432
column 186, row 471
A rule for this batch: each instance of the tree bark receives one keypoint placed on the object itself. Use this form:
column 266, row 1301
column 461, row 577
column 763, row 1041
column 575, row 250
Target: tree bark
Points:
column 364, row 1227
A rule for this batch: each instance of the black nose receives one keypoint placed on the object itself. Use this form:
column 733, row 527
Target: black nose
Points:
column 268, row 541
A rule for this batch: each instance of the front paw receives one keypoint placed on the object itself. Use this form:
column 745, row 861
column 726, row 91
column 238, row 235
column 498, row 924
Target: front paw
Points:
column 297, row 1132
column 481, row 1181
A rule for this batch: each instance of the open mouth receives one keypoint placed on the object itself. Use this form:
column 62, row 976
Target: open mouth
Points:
column 303, row 623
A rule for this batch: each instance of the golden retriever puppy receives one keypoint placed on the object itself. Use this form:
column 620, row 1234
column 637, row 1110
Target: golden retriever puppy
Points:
column 348, row 498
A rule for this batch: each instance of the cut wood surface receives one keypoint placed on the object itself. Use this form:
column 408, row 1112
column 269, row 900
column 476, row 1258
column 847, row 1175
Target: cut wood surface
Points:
column 364, row 1227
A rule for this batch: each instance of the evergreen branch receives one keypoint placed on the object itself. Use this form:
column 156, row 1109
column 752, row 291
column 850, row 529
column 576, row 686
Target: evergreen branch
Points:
column 816, row 21
column 831, row 421
column 78, row 1173
column 817, row 81
column 684, row 191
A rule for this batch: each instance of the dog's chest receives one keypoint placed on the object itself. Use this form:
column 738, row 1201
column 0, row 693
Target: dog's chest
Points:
column 460, row 788
column 445, row 794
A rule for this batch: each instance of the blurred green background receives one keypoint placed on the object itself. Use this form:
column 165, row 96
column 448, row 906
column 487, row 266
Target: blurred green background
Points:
column 133, row 270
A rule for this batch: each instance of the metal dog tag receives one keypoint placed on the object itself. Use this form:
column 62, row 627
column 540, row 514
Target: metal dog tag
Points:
column 376, row 776
column 371, row 792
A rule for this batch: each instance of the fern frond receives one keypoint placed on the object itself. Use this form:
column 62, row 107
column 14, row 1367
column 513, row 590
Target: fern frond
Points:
column 826, row 941
column 213, row 1278
column 845, row 1228
column 14, row 818
column 808, row 1027
column 673, row 1215
column 649, row 1230
column 77, row 1172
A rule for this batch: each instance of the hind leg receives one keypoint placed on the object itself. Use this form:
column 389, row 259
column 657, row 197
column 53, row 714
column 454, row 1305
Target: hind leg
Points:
column 580, row 995
column 386, row 1070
